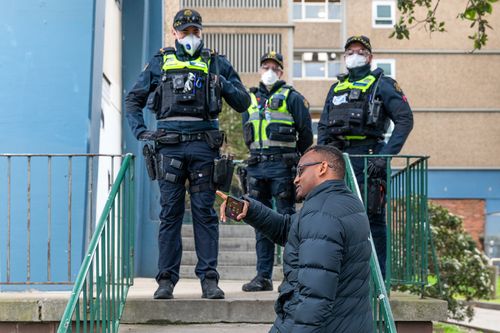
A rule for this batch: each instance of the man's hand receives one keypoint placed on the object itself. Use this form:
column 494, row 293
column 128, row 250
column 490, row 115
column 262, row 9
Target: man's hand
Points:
column 222, row 212
column 376, row 167
column 148, row 136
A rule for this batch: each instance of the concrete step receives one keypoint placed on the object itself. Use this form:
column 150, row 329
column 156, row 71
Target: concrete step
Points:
column 225, row 230
column 242, row 273
column 196, row 328
column 239, row 258
column 225, row 244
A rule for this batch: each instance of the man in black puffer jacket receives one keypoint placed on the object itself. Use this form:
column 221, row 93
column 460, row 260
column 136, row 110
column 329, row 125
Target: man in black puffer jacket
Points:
column 327, row 252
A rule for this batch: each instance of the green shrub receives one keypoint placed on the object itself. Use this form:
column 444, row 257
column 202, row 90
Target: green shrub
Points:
column 463, row 268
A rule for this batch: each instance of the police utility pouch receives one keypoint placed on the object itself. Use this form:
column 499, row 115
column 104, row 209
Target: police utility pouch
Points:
column 234, row 207
column 373, row 112
column 223, row 173
column 280, row 132
column 150, row 159
column 376, row 195
column 248, row 133
column 215, row 138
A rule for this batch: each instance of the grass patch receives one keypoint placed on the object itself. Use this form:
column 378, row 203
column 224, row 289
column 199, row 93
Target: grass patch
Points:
column 450, row 328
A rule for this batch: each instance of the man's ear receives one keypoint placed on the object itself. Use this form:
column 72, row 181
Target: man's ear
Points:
column 323, row 170
column 172, row 30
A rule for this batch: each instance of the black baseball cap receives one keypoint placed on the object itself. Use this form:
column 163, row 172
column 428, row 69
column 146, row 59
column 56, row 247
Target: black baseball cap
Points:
column 272, row 56
column 359, row 39
column 187, row 18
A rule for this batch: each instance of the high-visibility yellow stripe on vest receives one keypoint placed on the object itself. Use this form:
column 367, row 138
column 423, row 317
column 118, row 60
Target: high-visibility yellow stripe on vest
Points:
column 363, row 84
column 170, row 62
column 260, row 123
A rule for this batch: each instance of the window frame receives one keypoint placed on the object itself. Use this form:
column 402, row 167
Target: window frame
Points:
column 377, row 3
column 303, row 6
column 391, row 62
column 325, row 64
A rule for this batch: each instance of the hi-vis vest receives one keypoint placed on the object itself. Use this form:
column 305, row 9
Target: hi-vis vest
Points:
column 183, row 90
column 272, row 125
column 350, row 112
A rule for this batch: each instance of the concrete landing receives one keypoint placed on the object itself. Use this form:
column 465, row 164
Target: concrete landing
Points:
column 239, row 312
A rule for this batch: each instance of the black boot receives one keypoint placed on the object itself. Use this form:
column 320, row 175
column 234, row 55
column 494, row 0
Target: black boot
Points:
column 258, row 283
column 210, row 288
column 165, row 288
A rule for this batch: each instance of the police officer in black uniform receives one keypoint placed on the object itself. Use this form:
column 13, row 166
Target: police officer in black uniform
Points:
column 183, row 87
column 277, row 129
column 355, row 118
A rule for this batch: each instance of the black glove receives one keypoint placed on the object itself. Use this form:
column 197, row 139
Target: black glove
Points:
column 376, row 167
column 148, row 136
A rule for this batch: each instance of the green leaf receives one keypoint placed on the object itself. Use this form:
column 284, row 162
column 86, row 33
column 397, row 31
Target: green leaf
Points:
column 470, row 13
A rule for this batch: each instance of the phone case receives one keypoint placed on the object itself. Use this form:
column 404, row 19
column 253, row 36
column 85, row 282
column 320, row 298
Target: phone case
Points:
column 234, row 207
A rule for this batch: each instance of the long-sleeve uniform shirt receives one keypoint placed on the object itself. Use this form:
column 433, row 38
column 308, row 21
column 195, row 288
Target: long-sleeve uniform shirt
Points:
column 232, row 90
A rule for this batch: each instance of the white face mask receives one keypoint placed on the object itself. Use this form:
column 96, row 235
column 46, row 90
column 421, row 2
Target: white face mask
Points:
column 190, row 43
column 355, row 60
column 269, row 77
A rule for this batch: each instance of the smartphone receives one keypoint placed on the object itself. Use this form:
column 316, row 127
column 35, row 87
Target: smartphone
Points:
column 234, row 207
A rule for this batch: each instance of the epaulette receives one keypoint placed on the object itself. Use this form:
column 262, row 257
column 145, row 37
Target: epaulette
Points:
column 342, row 76
column 287, row 86
column 253, row 90
column 378, row 72
column 166, row 50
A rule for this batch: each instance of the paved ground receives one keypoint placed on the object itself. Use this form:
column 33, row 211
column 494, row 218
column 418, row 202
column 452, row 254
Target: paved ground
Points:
column 484, row 319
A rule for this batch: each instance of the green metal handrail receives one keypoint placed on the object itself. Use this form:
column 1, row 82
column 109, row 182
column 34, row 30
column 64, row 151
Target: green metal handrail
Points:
column 98, row 297
column 408, row 230
column 381, row 308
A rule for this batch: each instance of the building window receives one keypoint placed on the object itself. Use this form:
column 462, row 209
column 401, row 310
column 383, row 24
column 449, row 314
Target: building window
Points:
column 388, row 65
column 243, row 50
column 383, row 14
column 315, row 65
column 230, row 3
column 317, row 10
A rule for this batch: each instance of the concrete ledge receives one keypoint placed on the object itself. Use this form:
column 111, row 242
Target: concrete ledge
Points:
column 189, row 308
column 407, row 307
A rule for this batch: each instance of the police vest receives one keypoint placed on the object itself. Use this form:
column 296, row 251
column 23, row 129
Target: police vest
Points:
column 271, row 125
column 353, row 112
column 184, row 90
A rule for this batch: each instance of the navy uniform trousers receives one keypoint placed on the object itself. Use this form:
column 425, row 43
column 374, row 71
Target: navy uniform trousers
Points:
column 268, row 180
column 377, row 221
column 195, row 156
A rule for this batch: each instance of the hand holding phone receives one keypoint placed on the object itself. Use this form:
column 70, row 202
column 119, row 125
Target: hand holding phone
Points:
column 234, row 207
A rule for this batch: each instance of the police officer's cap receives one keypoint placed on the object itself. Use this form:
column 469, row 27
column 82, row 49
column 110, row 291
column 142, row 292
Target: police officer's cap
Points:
column 187, row 18
column 359, row 39
column 275, row 56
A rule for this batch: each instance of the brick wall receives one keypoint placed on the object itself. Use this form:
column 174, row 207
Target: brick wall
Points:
column 473, row 213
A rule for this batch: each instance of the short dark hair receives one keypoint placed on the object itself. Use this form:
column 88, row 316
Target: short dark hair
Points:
column 333, row 156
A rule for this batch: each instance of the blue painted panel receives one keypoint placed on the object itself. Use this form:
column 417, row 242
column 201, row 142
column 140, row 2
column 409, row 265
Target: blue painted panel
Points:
column 142, row 24
column 45, row 97
column 464, row 184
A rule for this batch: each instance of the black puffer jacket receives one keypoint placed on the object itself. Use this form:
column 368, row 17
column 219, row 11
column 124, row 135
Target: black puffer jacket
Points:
column 326, row 261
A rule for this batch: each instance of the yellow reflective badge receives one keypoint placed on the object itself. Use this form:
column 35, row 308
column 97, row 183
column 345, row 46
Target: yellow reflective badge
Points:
column 188, row 12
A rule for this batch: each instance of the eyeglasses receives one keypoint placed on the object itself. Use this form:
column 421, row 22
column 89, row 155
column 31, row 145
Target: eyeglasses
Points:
column 301, row 167
column 274, row 69
column 362, row 52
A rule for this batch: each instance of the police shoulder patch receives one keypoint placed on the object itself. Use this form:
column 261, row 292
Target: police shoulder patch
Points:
column 397, row 87
column 306, row 103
